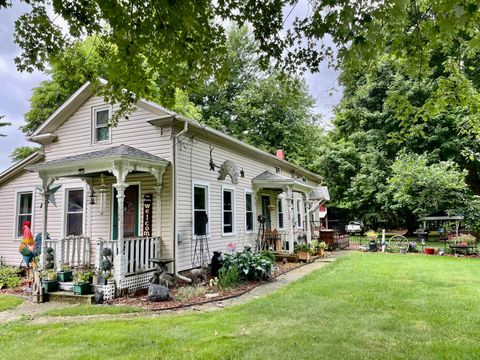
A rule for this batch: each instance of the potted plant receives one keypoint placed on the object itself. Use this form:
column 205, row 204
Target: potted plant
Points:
column 303, row 251
column 322, row 246
column 49, row 280
column 372, row 237
column 65, row 274
column 82, row 284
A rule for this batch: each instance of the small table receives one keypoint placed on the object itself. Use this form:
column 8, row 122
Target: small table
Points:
column 162, row 263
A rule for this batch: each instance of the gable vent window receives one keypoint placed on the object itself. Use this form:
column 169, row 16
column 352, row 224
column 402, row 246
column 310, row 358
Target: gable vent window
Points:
column 101, row 128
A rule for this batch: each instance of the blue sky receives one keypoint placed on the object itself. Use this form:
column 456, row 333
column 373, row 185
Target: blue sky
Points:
column 16, row 87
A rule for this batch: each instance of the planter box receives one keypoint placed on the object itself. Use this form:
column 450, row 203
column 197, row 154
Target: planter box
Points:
column 303, row 256
column 82, row 288
column 64, row 276
column 50, row 285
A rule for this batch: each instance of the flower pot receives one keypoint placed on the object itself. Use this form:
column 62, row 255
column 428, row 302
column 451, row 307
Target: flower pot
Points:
column 401, row 250
column 82, row 288
column 64, row 276
column 50, row 285
column 303, row 255
column 429, row 251
column 321, row 252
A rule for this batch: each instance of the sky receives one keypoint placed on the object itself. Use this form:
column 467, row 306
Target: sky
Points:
column 16, row 87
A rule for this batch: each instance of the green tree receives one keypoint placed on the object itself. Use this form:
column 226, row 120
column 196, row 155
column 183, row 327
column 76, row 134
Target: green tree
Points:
column 418, row 186
column 3, row 123
column 22, row 152
column 180, row 44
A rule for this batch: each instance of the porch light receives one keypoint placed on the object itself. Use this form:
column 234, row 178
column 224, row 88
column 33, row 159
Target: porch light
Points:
column 103, row 193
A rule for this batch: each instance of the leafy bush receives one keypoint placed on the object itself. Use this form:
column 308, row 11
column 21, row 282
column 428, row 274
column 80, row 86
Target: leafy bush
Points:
column 250, row 266
column 228, row 277
column 9, row 277
column 303, row 247
column 269, row 255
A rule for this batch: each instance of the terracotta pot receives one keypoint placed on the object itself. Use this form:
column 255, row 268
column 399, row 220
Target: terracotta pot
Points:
column 321, row 252
column 303, row 255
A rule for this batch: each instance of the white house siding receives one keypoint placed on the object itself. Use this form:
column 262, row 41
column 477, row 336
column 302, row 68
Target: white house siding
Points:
column 27, row 181
column 75, row 135
column 193, row 166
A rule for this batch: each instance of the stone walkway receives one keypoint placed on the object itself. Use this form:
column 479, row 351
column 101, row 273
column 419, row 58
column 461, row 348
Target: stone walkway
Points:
column 30, row 310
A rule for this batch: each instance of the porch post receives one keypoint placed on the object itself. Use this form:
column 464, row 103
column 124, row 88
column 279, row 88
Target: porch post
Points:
column 46, row 182
column 307, row 218
column 288, row 190
column 120, row 170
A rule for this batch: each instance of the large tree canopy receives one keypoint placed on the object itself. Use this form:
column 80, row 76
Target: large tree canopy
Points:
column 178, row 43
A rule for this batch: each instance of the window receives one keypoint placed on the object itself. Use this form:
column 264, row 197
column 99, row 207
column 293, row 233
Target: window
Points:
column 74, row 212
column 299, row 213
column 280, row 213
column 24, row 210
column 101, row 128
column 248, row 211
column 228, row 215
column 200, row 210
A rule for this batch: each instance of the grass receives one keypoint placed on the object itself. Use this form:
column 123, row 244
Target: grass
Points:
column 363, row 306
column 84, row 310
column 8, row 302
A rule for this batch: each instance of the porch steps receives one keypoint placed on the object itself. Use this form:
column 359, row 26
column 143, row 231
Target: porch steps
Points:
column 70, row 298
column 66, row 286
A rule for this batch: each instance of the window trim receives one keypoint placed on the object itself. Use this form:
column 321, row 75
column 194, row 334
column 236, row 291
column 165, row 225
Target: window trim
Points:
column 65, row 209
column 18, row 192
column 207, row 196
column 299, row 211
column 95, row 110
column 251, row 192
column 234, row 228
column 281, row 200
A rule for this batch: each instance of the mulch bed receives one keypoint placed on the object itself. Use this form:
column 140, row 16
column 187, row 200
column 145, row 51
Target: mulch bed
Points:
column 138, row 299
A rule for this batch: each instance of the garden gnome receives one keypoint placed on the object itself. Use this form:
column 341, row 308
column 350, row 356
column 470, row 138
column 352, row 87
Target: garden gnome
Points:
column 27, row 246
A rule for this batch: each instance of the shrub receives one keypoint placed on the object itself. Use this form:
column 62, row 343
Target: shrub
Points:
column 228, row 277
column 9, row 277
column 269, row 255
column 250, row 266
column 303, row 247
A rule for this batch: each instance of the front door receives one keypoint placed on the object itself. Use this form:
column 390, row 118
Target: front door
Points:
column 130, row 212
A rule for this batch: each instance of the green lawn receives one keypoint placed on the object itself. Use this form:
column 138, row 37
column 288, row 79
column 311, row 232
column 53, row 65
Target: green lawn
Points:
column 8, row 302
column 83, row 310
column 363, row 306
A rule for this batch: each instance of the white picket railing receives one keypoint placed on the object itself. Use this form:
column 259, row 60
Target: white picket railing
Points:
column 74, row 250
column 138, row 252
column 102, row 244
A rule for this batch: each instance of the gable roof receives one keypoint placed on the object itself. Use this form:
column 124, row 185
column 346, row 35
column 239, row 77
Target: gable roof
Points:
column 164, row 117
column 19, row 166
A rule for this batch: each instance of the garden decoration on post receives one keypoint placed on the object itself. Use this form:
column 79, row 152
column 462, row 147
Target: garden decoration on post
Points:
column 372, row 236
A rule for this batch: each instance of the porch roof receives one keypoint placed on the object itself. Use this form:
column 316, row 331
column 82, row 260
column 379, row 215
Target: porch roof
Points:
column 268, row 180
column 101, row 160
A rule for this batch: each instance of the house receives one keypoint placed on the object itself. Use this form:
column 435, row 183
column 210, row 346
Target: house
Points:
column 186, row 190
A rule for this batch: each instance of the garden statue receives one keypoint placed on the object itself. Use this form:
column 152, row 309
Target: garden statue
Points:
column 157, row 293
column 28, row 247
column 198, row 275
column 217, row 262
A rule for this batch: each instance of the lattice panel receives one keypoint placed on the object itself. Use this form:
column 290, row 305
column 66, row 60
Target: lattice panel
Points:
column 135, row 282
column 108, row 291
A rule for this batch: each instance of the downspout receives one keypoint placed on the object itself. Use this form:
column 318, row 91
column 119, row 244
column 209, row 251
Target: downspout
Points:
column 175, row 199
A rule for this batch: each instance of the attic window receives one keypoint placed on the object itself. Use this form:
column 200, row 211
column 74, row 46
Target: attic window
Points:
column 100, row 125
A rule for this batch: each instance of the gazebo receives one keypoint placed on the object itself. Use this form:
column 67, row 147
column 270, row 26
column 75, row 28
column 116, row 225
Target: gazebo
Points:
column 439, row 218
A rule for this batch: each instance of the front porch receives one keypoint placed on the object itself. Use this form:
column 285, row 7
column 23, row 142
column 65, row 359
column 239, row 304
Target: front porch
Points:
column 107, row 189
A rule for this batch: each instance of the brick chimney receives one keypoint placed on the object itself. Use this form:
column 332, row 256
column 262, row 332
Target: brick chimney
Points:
column 280, row 154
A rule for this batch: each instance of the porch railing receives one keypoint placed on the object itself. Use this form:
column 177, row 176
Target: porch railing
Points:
column 138, row 252
column 74, row 250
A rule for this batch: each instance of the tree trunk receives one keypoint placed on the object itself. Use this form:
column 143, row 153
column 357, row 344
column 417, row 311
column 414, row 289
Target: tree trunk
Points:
column 410, row 222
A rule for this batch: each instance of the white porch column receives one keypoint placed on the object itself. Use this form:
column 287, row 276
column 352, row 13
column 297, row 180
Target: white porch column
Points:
column 46, row 182
column 289, row 191
column 120, row 170
column 307, row 218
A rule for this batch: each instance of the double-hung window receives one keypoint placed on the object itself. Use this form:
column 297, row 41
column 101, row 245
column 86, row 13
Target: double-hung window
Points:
column 24, row 210
column 248, row 211
column 299, row 213
column 100, row 125
column 228, row 215
column 74, row 212
column 280, row 213
column 200, row 210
